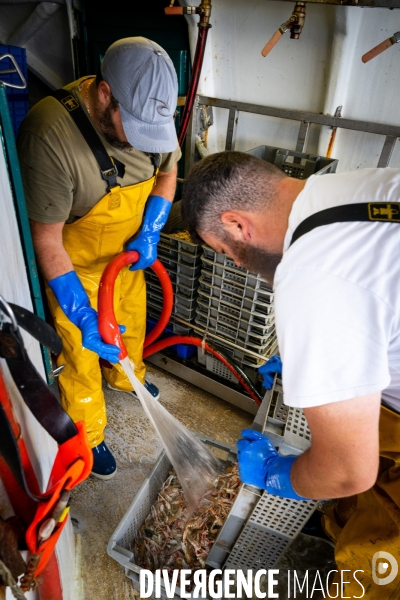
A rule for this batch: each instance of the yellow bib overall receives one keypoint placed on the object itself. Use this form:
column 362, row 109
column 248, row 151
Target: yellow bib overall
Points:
column 368, row 523
column 91, row 243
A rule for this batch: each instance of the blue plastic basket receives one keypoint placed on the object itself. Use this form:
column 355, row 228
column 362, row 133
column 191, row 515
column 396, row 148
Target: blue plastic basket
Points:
column 18, row 110
column 182, row 350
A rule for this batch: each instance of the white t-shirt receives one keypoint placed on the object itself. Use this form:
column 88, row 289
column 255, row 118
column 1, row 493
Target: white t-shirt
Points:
column 337, row 296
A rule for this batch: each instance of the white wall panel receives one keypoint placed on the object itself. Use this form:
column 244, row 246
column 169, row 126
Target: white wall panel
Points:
column 316, row 73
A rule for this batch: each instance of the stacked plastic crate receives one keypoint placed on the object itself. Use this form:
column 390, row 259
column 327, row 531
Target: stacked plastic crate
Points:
column 182, row 260
column 236, row 306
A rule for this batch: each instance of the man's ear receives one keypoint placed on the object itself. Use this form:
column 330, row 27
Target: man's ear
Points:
column 237, row 224
column 104, row 93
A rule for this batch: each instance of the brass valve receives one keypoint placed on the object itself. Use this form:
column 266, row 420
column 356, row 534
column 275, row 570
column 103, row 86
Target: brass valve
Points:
column 204, row 10
column 295, row 23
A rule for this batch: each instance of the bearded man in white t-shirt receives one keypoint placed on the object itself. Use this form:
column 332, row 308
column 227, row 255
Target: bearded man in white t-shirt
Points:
column 337, row 307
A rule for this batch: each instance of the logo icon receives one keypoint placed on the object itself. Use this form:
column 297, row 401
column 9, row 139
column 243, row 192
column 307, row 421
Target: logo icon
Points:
column 380, row 211
column 70, row 103
column 381, row 561
column 163, row 108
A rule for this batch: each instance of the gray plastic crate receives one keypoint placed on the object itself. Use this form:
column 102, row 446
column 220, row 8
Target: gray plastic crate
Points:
column 257, row 306
column 191, row 282
column 236, row 288
column 241, row 320
column 121, row 542
column 257, row 531
column 177, row 328
column 235, row 275
column 299, row 165
column 174, row 243
column 242, row 338
column 286, row 427
column 184, row 258
column 236, row 313
column 215, row 366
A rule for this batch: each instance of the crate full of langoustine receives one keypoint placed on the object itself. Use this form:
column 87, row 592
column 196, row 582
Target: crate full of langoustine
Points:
column 159, row 539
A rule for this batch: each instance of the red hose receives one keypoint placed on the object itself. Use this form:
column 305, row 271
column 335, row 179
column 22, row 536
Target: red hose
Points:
column 108, row 326
column 194, row 82
column 109, row 329
column 180, row 339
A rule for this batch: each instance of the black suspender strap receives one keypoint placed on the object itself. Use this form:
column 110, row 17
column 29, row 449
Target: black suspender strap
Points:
column 36, row 394
column 372, row 212
column 109, row 167
column 156, row 160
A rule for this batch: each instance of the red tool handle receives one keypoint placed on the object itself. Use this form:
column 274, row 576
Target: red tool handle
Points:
column 377, row 50
column 271, row 43
column 108, row 326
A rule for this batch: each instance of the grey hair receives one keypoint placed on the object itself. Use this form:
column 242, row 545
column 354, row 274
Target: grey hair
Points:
column 226, row 181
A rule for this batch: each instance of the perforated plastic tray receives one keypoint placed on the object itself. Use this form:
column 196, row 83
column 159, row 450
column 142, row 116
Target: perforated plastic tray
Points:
column 258, row 344
column 258, row 306
column 286, row 427
column 172, row 242
column 239, row 276
column 237, row 287
column 241, row 314
column 221, row 315
column 215, row 366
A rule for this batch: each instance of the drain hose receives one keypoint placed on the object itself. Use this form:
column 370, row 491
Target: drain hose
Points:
column 109, row 330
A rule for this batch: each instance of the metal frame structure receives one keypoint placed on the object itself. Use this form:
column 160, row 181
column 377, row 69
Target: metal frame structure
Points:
column 391, row 132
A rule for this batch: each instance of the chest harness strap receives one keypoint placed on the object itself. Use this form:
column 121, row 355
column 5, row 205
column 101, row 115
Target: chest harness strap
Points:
column 110, row 167
column 372, row 212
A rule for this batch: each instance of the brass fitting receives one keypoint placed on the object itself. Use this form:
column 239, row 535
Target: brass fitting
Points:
column 204, row 10
column 300, row 15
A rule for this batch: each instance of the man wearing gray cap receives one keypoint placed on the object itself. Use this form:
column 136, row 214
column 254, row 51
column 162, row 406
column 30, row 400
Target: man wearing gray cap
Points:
column 98, row 162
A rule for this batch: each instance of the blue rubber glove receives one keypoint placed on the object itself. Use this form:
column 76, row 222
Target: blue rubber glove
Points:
column 268, row 370
column 261, row 465
column 155, row 217
column 73, row 299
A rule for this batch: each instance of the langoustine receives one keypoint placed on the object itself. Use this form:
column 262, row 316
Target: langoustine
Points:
column 172, row 538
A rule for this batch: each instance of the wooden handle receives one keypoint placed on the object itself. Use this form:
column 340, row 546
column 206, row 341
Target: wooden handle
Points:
column 377, row 50
column 173, row 10
column 272, row 42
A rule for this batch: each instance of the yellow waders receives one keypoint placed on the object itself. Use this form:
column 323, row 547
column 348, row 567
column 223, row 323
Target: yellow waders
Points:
column 370, row 522
column 92, row 242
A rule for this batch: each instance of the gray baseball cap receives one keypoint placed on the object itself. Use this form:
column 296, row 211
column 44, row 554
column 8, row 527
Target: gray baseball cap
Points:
column 143, row 79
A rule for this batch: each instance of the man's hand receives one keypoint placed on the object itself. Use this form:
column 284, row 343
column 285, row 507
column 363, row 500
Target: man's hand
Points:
column 75, row 303
column 157, row 209
column 268, row 370
column 261, row 465
column 156, row 215
column 344, row 456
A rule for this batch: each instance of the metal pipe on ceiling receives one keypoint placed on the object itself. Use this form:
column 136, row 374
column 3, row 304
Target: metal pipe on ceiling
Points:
column 33, row 23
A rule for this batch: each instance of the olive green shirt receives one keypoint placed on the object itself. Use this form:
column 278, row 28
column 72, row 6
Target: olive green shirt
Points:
column 61, row 176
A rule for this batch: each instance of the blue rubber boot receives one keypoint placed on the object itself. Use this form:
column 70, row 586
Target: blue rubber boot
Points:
column 151, row 388
column 104, row 465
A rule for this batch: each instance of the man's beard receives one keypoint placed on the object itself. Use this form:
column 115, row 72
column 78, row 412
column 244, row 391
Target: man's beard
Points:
column 108, row 127
column 254, row 258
